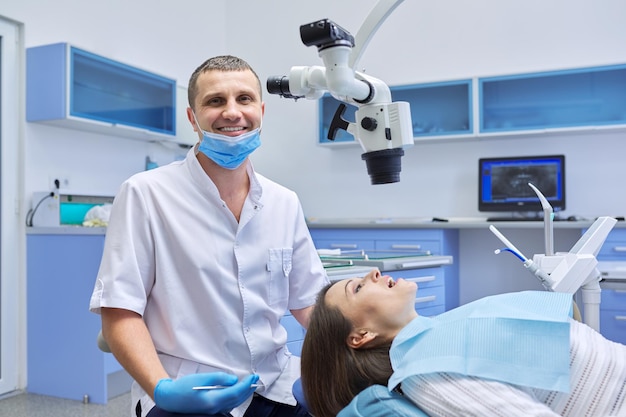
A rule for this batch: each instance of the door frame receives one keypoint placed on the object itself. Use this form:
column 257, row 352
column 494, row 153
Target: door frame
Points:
column 12, row 230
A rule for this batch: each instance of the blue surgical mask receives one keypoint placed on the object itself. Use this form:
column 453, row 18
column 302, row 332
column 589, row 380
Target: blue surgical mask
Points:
column 228, row 151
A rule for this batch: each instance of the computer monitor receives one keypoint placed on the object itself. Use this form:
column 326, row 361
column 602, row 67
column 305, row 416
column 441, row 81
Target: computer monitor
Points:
column 503, row 183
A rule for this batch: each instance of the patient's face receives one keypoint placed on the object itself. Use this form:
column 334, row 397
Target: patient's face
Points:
column 375, row 302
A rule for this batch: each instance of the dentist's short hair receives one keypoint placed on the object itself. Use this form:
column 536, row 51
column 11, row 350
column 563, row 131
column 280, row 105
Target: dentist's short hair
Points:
column 217, row 63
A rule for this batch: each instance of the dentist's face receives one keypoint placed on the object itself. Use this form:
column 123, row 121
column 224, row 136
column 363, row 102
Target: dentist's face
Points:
column 228, row 102
column 375, row 302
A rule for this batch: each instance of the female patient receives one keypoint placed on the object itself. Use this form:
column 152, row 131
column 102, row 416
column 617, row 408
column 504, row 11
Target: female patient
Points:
column 516, row 354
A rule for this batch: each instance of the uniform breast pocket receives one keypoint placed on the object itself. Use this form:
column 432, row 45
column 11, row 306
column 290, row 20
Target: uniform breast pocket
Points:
column 279, row 267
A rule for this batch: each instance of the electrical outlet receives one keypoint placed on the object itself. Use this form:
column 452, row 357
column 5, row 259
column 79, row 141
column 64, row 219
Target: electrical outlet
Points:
column 55, row 182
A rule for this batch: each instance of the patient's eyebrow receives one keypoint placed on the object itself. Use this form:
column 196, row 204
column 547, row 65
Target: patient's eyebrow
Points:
column 346, row 288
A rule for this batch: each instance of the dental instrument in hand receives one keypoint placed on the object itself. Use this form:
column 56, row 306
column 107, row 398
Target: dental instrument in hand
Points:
column 210, row 387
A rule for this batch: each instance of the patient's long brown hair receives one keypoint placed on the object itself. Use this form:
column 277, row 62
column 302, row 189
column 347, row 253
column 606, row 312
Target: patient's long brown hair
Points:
column 332, row 372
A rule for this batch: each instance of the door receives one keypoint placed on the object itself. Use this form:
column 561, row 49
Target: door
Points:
column 11, row 233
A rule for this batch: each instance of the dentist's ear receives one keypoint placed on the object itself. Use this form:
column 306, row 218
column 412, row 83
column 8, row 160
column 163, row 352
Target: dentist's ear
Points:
column 360, row 338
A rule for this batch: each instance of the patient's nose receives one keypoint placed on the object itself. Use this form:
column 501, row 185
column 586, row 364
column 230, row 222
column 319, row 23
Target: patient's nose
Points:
column 373, row 275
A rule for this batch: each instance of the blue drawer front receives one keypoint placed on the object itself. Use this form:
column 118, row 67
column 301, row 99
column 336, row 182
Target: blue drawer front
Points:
column 424, row 278
column 409, row 246
column 613, row 299
column 613, row 325
column 430, row 297
column 431, row 311
column 344, row 244
column 614, row 248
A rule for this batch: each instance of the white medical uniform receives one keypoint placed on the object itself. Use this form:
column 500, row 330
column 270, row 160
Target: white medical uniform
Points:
column 210, row 289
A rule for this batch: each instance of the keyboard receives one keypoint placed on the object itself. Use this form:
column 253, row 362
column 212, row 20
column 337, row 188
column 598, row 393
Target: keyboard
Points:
column 514, row 219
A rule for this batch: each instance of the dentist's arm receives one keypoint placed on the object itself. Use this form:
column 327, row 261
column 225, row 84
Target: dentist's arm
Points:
column 303, row 315
column 129, row 340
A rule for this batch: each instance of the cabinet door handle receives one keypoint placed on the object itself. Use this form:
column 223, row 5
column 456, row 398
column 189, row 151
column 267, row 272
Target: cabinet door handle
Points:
column 428, row 278
column 411, row 247
column 427, row 299
column 343, row 245
column 620, row 318
column 425, row 263
column 619, row 248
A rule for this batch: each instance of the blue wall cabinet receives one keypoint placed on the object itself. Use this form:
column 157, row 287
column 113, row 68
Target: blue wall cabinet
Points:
column 437, row 109
column 70, row 87
column 531, row 103
column 551, row 100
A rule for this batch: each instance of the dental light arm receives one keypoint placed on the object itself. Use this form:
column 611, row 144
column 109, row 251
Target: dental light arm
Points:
column 382, row 128
column 568, row 272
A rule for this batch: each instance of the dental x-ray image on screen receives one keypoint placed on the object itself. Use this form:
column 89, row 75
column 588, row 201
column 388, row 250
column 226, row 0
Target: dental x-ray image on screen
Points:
column 504, row 183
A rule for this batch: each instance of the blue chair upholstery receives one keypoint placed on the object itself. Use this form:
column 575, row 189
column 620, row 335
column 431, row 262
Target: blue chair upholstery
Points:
column 377, row 401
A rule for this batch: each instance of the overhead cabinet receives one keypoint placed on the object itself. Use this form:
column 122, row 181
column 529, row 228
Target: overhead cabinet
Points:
column 532, row 103
column 559, row 99
column 437, row 109
column 70, row 87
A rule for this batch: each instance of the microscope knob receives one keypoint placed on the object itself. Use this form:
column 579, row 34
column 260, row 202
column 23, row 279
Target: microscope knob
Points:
column 369, row 123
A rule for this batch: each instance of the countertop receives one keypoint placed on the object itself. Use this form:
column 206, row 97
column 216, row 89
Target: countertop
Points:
column 371, row 223
column 451, row 223
column 66, row 230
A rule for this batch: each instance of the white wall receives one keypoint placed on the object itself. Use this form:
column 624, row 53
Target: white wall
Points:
column 435, row 41
column 420, row 42
column 167, row 37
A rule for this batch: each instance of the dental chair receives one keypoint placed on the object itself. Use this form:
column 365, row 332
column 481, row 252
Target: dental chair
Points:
column 377, row 401
column 374, row 401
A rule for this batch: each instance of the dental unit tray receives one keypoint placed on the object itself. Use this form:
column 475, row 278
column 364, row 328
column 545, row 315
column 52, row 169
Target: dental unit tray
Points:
column 386, row 260
column 367, row 255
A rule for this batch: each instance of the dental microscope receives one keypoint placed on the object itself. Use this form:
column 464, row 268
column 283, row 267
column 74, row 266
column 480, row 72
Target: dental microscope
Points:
column 570, row 271
column 383, row 128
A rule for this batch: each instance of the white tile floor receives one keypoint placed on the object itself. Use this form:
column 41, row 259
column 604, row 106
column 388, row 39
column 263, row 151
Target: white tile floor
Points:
column 34, row 405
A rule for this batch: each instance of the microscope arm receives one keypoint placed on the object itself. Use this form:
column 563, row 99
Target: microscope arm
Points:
column 371, row 24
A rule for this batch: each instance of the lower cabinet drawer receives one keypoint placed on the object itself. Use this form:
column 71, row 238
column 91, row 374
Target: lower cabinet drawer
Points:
column 430, row 297
column 424, row 278
column 613, row 314
column 431, row 311
column 613, row 325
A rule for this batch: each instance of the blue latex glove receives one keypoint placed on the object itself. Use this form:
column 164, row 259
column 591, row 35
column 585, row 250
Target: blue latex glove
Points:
column 178, row 396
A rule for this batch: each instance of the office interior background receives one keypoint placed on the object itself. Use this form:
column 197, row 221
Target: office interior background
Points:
column 420, row 42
